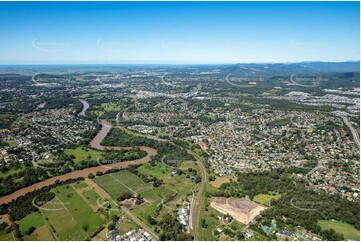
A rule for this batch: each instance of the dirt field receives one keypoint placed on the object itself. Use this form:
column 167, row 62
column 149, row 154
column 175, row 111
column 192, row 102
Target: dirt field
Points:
column 203, row 145
column 240, row 209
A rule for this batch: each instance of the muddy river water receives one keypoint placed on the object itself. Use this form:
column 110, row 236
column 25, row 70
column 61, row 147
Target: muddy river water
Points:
column 95, row 143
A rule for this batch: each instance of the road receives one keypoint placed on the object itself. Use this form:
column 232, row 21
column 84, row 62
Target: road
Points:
column 353, row 130
column 198, row 200
column 139, row 222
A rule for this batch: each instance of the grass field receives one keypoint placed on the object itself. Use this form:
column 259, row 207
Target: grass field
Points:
column 31, row 237
column 80, row 211
column 34, row 219
column 91, row 196
column 221, row 179
column 126, row 225
column 110, row 106
column 117, row 183
column 43, row 233
column 80, row 185
column 83, row 154
column 123, row 181
column 212, row 221
column 265, row 199
column 347, row 230
column 6, row 237
column 61, row 222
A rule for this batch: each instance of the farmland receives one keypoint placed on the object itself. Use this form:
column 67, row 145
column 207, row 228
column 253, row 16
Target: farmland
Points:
column 175, row 185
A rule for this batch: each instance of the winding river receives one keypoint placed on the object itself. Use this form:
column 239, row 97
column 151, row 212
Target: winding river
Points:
column 85, row 107
column 95, row 143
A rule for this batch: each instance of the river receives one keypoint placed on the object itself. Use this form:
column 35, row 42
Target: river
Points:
column 85, row 107
column 40, row 105
column 95, row 143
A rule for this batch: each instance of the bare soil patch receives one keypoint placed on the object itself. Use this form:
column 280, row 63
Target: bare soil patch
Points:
column 240, row 209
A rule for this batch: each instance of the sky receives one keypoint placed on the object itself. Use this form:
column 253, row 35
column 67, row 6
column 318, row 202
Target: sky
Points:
column 178, row 32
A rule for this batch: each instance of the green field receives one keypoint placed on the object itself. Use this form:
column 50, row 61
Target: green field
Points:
column 265, row 199
column 347, row 230
column 110, row 106
column 123, row 181
column 61, row 222
column 34, row 219
column 117, row 183
column 91, row 196
column 80, row 185
column 6, row 237
column 80, row 211
column 82, row 154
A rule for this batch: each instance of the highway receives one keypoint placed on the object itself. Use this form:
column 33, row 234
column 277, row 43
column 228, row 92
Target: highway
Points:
column 353, row 130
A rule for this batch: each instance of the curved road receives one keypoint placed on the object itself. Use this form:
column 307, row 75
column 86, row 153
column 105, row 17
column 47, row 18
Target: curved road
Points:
column 353, row 130
column 95, row 143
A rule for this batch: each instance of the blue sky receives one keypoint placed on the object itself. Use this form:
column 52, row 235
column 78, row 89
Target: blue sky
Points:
column 178, row 32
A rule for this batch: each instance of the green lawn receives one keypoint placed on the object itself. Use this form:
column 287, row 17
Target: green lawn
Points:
column 61, row 222
column 82, row 154
column 347, row 230
column 79, row 209
column 31, row 237
column 91, row 196
column 33, row 219
column 265, row 199
column 123, row 181
column 6, row 237
column 80, row 185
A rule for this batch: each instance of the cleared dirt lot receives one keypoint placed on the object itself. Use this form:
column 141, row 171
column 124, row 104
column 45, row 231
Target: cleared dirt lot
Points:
column 240, row 209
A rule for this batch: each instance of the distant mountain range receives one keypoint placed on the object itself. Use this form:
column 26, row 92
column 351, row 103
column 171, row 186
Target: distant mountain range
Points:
column 274, row 69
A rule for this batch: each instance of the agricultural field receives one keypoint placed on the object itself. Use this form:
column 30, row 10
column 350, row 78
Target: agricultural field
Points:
column 34, row 219
column 68, row 216
column 175, row 185
column 6, row 236
column 347, row 230
column 266, row 199
column 61, row 222
column 123, row 181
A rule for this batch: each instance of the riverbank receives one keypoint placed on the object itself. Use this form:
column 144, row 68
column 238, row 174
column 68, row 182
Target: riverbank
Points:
column 95, row 143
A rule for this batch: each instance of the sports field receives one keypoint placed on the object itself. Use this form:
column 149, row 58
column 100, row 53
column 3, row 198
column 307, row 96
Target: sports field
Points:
column 347, row 230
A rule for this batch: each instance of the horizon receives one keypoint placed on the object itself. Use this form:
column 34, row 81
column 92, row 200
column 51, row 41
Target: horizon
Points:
column 173, row 64
column 178, row 33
